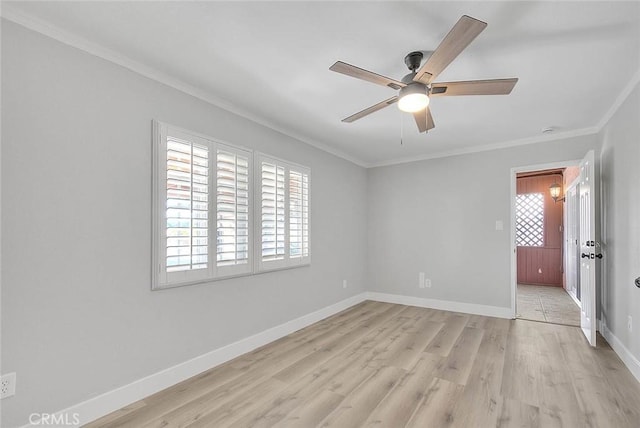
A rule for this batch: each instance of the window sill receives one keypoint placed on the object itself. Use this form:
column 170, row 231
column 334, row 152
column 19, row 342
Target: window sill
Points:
column 156, row 287
column 278, row 268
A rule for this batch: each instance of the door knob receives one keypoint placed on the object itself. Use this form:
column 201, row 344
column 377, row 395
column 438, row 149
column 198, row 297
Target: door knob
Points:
column 584, row 255
column 599, row 255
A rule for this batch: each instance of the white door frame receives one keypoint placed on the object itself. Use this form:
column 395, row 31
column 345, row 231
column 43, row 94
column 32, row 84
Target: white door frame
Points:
column 514, row 261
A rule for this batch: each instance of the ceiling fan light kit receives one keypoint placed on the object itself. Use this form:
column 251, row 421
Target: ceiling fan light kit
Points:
column 415, row 89
column 413, row 97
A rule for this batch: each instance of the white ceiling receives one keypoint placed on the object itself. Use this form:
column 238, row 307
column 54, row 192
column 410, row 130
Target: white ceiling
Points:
column 270, row 60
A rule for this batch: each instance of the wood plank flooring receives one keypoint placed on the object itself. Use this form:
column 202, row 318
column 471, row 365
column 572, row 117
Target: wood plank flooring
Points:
column 385, row 365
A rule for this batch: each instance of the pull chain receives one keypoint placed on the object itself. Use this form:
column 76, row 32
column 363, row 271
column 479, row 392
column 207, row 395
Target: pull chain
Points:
column 401, row 128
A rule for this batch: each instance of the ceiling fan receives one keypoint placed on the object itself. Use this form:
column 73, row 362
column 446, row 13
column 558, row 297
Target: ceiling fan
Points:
column 415, row 89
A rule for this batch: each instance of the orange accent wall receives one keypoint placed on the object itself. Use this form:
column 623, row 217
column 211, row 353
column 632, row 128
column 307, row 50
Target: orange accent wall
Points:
column 570, row 174
column 542, row 265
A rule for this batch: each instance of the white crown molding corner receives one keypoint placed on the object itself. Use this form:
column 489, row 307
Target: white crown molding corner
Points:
column 620, row 99
column 10, row 13
column 494, row 146
column 625, row 355
column 101, row 405
column 444, row 305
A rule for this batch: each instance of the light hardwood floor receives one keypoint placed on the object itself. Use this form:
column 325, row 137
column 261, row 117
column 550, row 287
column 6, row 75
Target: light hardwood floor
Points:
column 385, row 365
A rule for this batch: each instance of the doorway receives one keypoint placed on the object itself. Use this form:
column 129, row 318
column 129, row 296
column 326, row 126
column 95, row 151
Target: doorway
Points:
column 546, row 245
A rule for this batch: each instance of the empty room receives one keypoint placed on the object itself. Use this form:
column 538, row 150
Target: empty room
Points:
column 301, row 214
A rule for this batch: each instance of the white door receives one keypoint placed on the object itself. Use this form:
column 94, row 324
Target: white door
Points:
column 588, row 249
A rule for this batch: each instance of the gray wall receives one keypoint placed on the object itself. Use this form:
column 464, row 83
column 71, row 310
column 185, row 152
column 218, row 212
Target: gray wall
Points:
column 620, row 179
column 438, row 216
column 77, row 309
column 76, row 301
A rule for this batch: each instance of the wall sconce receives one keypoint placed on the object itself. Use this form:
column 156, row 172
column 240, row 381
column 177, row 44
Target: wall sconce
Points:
column 555, row 190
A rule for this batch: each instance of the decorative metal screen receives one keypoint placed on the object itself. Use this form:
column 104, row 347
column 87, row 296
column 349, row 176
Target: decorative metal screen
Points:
column 530, row 220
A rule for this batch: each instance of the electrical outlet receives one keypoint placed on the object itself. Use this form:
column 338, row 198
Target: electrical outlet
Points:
column 8, row 385
column 427, row 283
column 344, row 283
column 629, row 324
column 421, row 280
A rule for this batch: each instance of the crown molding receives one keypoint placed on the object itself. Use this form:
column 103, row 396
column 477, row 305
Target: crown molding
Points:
column 10, row 13
column 489, row 147
column 622, row 97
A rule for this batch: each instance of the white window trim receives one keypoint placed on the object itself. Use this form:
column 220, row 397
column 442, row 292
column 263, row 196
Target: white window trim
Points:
column 287, row 262
column 160, row 278
column 212, row 272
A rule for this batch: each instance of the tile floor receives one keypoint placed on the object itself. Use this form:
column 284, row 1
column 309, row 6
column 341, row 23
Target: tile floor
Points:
column 547, row 304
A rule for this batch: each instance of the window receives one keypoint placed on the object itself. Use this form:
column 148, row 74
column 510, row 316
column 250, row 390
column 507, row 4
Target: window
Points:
column 298, row 214
column 187, row 208
column 530, row 220
column 273, row 211
column 201, row 208
column 283, row 203
column 204, row 205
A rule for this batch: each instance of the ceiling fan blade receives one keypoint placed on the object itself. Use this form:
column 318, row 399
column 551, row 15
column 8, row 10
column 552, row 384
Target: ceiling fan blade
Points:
column 369, row 76
column 371, row 109
column 463, row 33
column 424, row 120
column 430, row 123
column 474, row 87
column 421, row 119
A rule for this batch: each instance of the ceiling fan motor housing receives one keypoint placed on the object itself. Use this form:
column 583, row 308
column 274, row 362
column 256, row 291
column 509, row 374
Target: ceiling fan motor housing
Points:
column 415, row 95
column 413, row 60
column 413, row 88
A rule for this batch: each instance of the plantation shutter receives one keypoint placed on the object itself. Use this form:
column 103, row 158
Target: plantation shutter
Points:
column 283, row 200
column 187, row 195
column 273, row 211
column 298, row 214
column 209, row 223
column 202, row 208
column 232, row 208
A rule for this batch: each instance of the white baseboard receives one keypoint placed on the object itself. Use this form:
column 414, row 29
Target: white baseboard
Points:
column 111, row 401
column 108, row 402
column 103, row 404
column 445, row 305
column 575, row 299
column 625, row 355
